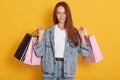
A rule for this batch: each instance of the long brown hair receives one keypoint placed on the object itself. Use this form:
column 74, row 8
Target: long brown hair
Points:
column 71, row 32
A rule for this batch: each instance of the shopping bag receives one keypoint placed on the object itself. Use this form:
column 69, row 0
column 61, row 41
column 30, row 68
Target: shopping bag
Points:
column 25, row 51
column 95, row 53
column 30, row 57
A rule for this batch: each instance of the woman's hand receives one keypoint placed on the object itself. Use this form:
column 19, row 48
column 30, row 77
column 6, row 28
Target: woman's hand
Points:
column 81, row 32
column 41, row 33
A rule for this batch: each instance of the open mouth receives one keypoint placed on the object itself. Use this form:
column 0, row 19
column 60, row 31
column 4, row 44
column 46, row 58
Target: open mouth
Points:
column 62, row 19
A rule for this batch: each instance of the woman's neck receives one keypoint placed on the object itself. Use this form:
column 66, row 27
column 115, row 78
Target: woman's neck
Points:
column 61, row 26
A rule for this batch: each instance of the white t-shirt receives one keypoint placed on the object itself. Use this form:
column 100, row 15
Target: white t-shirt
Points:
column 59, row 39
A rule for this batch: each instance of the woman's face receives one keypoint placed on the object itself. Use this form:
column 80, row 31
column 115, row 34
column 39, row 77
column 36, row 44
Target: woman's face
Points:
column 61, row 14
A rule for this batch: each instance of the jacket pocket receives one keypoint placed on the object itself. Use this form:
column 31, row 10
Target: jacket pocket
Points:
column 47, row 66
column 71, row 63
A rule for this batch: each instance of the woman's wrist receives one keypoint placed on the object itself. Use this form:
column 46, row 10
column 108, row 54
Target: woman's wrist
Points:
column 83, row 39
column 39, row 39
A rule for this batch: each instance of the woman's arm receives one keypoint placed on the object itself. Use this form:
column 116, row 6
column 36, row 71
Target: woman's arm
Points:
column 84, row 47
column 39, row 46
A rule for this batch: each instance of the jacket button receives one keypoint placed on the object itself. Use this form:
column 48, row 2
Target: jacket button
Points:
column 53, row 73
column 65, row 73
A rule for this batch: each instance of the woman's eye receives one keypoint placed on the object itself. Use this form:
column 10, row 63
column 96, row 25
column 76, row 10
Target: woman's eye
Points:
column 64, row 12
column 61, row 12
column 58, row 12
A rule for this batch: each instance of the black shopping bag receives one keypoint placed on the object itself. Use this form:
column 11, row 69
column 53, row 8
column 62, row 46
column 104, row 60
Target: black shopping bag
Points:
column 20, row 52
column 25, row 51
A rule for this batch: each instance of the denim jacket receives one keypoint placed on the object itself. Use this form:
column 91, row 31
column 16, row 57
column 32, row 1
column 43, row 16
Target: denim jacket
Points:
column 46, row 47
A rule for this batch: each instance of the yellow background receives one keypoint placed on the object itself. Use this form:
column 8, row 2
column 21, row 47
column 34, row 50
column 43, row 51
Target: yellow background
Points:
column 101, row 18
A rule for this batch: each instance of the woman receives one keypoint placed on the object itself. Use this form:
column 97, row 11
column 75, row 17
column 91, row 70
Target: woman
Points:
column 59, row 45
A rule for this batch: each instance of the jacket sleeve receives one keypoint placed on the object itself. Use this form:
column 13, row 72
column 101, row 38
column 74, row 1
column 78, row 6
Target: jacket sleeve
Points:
column 39, row 46
column 84, row 50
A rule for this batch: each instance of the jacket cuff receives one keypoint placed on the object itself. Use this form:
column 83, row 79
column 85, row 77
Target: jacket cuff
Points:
column 86, row 47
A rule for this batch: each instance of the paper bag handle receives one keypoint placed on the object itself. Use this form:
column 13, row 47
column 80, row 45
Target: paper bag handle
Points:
column 86, row 33
column 35, row 33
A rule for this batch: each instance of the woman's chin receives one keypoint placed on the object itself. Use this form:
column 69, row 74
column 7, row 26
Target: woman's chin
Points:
column 61, row 21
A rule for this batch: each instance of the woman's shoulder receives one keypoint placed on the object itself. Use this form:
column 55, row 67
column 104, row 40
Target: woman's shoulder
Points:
column 50, row 28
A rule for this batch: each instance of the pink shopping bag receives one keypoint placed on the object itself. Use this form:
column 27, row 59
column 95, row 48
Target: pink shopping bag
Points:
column 30, row 57
column 95, row 54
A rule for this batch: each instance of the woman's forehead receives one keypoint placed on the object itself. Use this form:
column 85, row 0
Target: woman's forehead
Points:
column 60, row 9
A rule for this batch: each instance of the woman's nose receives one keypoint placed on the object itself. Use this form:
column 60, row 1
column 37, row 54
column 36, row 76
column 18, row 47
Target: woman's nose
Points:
column 62, row 15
